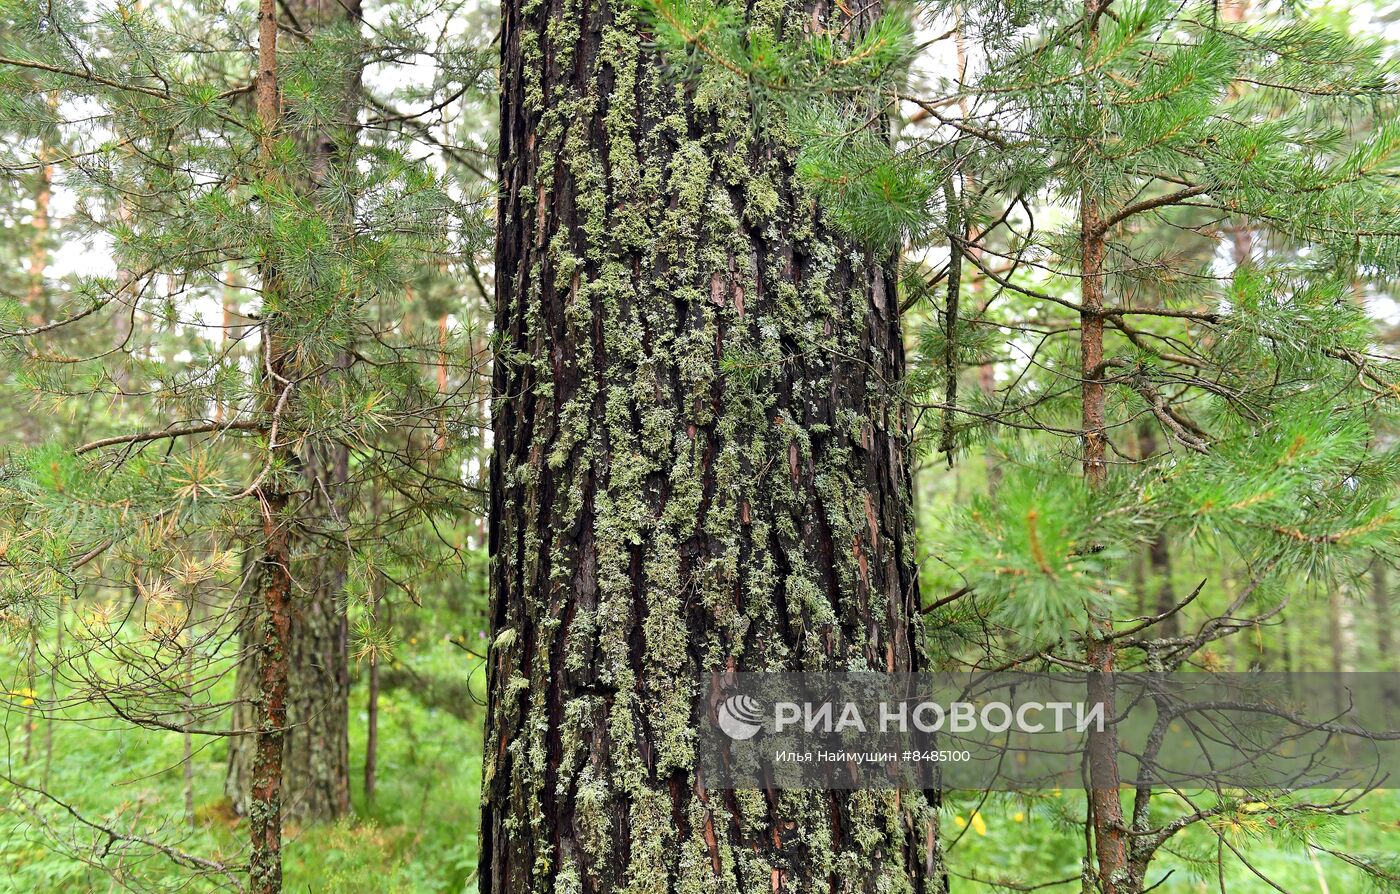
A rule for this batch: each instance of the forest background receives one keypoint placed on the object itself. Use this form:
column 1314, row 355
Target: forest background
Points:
column 138, row 332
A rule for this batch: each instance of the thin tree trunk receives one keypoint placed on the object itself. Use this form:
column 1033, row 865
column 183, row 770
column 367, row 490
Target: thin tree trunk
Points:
column 441, row 442
column 1380, row 603
column 1105, row 806
column 316, row 760
column 376, row 599
column 956, row 233
column 31, row 697
column 1385, row 625
column 1159, row 552
column 58, row 621
column 265, row 814
column 1159, row 555
column 38, row 302
column 191, row 638
column 238, row 781
column 1341, row 640
column 229, row 306
column 976, row 281
column 699, row 467
column 1341, row 637
column 372, row 732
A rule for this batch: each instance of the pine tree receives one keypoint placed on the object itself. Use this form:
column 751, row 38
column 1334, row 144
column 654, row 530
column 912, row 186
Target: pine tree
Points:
column 1139, row 118
column 1052, row 165
column 700, row 466
column 257, row 369
column 316, row 771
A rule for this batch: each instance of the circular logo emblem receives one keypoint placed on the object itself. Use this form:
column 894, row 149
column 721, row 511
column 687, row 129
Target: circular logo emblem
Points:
column 740, row 716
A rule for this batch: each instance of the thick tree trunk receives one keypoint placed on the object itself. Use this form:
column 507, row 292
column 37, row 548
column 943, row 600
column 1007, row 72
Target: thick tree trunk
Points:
column 316, row 761
column 699, row 466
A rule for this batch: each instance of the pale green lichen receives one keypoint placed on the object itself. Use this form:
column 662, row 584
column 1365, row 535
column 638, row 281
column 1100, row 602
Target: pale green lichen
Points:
column 671, row 269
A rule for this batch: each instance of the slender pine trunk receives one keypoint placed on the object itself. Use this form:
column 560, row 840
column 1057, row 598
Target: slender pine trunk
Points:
column 1105, row 805
column 372, row 701
column 187, row 672
column 265, row 812
column 372, row 729
column 316, row 759
column 440, row 443
column 1385, row 622
column 37, row 304
column 38, row 298
column 59, row 621
column 31, row 699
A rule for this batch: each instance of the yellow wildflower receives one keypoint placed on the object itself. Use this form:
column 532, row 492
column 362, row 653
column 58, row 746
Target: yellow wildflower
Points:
column 979, row 825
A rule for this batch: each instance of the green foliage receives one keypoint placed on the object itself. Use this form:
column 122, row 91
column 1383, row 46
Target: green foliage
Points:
column 146, row 420
column 1243, row 175
column 418, row 837
column 883, row 197
column 1042, row 553
column 1040, row 836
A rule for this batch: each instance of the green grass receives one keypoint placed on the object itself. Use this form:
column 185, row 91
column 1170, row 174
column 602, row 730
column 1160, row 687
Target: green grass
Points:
column 1024, row 839
column 419, row 836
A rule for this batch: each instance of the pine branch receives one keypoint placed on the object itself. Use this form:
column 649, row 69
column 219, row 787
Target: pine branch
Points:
column 94, row 78
column 1107, row 312
column 1171, row 198
column 178, row 432
column 182, row 858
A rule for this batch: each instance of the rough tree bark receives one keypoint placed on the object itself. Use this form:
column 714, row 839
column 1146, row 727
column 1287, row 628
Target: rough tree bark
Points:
column 699, row 467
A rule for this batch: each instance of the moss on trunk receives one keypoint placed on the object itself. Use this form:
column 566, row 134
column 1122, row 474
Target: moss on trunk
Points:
column 700, row 465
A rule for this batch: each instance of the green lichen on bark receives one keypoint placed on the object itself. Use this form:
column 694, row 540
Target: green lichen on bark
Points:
column 700, row 467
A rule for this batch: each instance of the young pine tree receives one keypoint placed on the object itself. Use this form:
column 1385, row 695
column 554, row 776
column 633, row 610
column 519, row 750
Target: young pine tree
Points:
column 245, row 370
